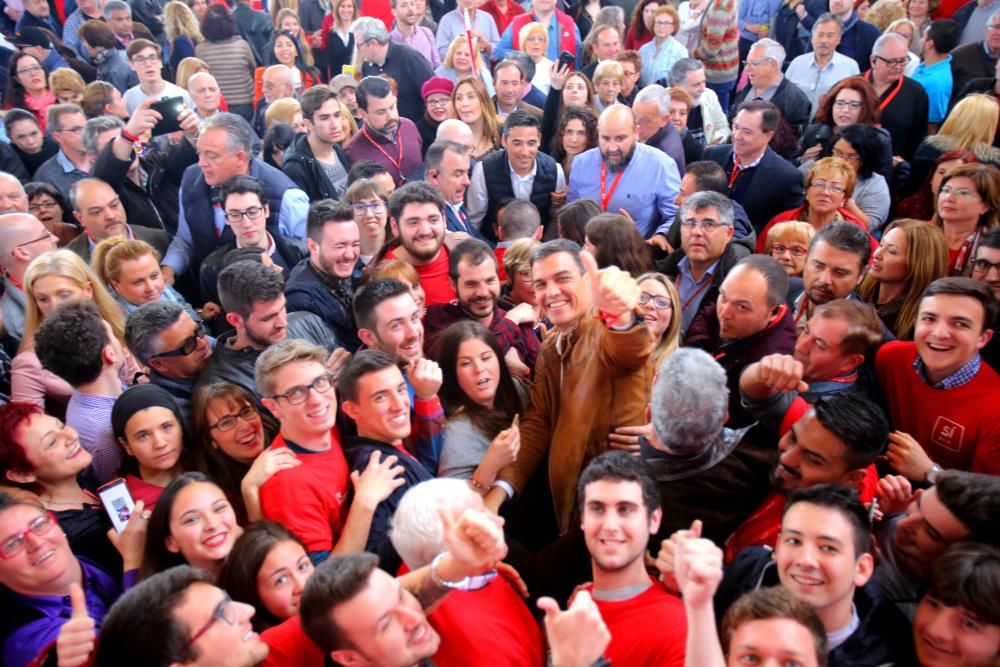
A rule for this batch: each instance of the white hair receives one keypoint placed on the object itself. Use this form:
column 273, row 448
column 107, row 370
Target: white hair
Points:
column 417, row 533
column 772, row 50
column 368, row 28
column 689, row 401
column 656, row 93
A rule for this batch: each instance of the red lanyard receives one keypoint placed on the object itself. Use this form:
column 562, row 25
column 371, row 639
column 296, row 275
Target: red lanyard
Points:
column 698, row 291
column 606, row 196
column 895, row 91
column 398, row 164
column 15, row 283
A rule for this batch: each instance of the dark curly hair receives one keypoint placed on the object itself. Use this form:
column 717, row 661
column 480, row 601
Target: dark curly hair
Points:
column 71, row 340
column 218, row 24
column 574, row 112
column 870, row 112
column 14, row 94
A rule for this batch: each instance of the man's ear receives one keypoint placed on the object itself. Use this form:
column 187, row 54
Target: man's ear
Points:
column 272, row 405
column 538, row 233
column 984, row 338
column 863, row 569
column 235, row 320
column 368, row 337
column 394, row 227
column 350, row 409
column 156, row 365
column 347, row 658
column 854, row 477
column 654, row 520
column 312, row 246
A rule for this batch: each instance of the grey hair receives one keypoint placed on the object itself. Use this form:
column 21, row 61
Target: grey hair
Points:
column 113, row 5
column 145, row 324
column 15, row 179
column 237, row 131
column 681, row 68
column 524, row 60
column 689, row 401
column 828, row 17
column 416, row 529
column 654, row 92
column 94, row 128
column 708, row 199
column 368, row 28
column 993, row 17
column 287, row 75
column 607, row 14
column 772, row 50
column 885, row 38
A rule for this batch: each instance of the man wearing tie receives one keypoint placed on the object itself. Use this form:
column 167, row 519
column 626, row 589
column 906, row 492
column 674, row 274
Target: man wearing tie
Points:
column 448, row 172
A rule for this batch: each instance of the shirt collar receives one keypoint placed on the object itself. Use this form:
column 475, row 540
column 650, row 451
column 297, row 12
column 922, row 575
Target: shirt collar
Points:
column 751, row 164
column 270, row 246
column 962, row 376
column 684, row 267
column 517, row 177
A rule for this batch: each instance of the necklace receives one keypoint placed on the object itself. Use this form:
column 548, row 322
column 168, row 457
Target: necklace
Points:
column 50, row 501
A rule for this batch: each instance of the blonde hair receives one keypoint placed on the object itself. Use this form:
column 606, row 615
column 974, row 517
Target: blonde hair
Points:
column 304, row 47
column 277, row 5
column 491, row 124
column 680, row 95
column 518, row 257
column 609, row 69
column 884, row 13
column 352, row 125
column 837, row 167
column 282, row 111
column 670, row 340
column 533, row 28
column 187, row 68
column 67, row 264
column 179, row 20
column 109, row 255
column 972, row 123
column 789, row 232
column 281, row 354
column 449, row 56
column 64, row 78
column 914, row 32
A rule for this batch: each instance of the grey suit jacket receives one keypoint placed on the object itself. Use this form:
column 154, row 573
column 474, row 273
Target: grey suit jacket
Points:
column 154, row 237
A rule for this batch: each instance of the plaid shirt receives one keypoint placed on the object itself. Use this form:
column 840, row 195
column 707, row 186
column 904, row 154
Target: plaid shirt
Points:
column 509, row 335
column 962, row 376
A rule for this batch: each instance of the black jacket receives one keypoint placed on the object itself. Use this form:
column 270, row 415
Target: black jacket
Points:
column 968, row 62
column 302, row 167
column 306, row 290
column 883, row 637
column 154, row 237
column 774, row 186
column 287, row 253
column 256, row 28
column 32, row 162
column 10, row 162
column 789, row 98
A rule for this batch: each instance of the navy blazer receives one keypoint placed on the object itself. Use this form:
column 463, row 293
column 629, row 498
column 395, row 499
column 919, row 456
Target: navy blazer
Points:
column 455, row 225
column 776, row 184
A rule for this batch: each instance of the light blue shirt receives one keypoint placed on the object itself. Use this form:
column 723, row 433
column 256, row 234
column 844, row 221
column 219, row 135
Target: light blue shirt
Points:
column 937, row 81
column 692, row 291
column 452, row 25
column 758, row 12
column 291, row 222
column 506, row 42
column 656, row 64
column 816, row 82
column 646, row 190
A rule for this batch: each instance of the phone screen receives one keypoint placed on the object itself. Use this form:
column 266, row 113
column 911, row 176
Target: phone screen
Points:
column 117, row 503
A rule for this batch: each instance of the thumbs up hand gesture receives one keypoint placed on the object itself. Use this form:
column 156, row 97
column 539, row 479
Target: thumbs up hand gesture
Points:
column 77, row 636
column 615, row 293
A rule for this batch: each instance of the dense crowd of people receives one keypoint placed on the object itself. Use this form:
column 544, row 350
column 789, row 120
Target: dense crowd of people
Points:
column 454, row 333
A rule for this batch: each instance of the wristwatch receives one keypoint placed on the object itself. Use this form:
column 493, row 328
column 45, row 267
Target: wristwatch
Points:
column 933, row 473
column 468, row 584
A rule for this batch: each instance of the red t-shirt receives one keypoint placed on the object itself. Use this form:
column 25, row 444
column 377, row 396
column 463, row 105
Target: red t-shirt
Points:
column 433, row 278
column 309, row 499
column 649, row 629
column 144, row 491
column 491, row 626
column 499, row 252
column 290, row 647
column 958, row 428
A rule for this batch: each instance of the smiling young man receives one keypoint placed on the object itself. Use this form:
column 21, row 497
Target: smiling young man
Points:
column 823, row 558
column 519, row 171
column 940, row 394
column 620, row 510
column 838, row 256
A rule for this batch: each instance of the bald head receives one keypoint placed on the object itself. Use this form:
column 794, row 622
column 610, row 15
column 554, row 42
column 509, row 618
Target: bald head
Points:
column 455, row 130
column 278, row 81
column 616, row 136
column 12, row 197
column 97, row 207
column 204, row 90
column 27, row 238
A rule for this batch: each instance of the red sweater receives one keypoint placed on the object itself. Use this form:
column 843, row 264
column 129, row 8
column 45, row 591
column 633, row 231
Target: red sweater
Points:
column 958, row 428
column 491, row 626
column 290, row 647
column 649, row 629
column 793, row 215
column 309, row 499
column 433, row 278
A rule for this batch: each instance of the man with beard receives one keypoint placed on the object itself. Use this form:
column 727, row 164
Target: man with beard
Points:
column 253, row 297
column 922, row 524
column 473, row 272
column 324, row 282
column 246, row 211
column 389, row 320
column 99, row 209
column 834, row 441
column 836, row 262
column 706, row 121
column 620, row 506
column 416, row 218
column 625, row 176
column 386, row 138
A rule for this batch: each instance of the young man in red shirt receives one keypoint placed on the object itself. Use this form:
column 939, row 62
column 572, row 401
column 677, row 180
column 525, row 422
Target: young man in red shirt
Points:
column 310, row 499
column 941, row 396
column 620, row 506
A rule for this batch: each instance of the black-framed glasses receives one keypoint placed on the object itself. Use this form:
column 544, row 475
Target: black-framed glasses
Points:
column 228, row 423
column 659, row 302
column 224, row 611
column 376, row 207
column 893, row 62
column 46, row 236
column 142, row 60
column 15, row 544
column 297, row 395
column 251, row 213
column 706, row 225
column 984, row 265
column 189, row 345
column 844, row 104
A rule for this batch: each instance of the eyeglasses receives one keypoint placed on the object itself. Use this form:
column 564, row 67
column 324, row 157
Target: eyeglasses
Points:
column 251, row 213
column 755, row 63
column 659, row 302
column 144, row 60
column 224, row 611
column 846, row 156
column 71, row 130
column 845, row 104
column 39, row 205
column 793, row 250
column 438, row 103
column 706, row 225
column 662, row 24
column 958, row 192
column 835, row 188
column 375, row 207
column 15, row 544
column 45, row 237
column 297, row 395
column 187, row 347
column 894, row 62
column 31, row 69
column 984, row 266
column 228, row 423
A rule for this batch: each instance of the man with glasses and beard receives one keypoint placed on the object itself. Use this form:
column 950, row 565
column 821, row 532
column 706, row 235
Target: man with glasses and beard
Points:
column 624, row 176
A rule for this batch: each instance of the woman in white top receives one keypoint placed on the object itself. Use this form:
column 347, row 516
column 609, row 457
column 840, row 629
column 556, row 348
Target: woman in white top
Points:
column 691, row 14
column 534, row 39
